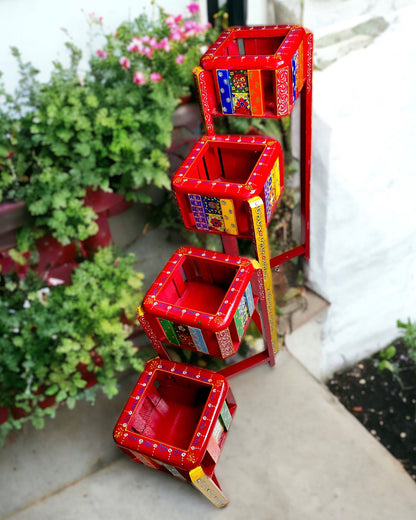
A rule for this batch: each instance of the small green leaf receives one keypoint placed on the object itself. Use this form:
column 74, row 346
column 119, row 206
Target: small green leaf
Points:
column 52, row 389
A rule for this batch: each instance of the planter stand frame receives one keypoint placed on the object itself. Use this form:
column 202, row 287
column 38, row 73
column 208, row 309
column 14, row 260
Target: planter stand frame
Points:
column 248, row 71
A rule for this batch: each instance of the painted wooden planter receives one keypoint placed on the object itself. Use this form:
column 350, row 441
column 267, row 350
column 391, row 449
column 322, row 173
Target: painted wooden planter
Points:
column 202, row 301
column 219, row 177
column 176, row 420
column 255, row 71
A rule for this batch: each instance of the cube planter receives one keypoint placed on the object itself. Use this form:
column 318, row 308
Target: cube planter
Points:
column 201, row 301
column 219, row 177
column 256, row 71
column 176, row 420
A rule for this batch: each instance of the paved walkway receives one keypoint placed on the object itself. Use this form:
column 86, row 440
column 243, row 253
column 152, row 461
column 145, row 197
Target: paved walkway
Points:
column 293, row 452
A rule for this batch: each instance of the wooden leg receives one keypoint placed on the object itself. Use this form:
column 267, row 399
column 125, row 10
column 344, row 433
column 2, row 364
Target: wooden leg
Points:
column 208, row 486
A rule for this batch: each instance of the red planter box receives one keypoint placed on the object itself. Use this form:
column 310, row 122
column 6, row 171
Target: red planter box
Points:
column 202, row 301
column 254, row 71
column 176, row 420
column 219, row 177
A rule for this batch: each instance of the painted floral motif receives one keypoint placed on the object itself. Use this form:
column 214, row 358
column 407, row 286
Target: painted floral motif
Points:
column 241, row 104
column 239, row 80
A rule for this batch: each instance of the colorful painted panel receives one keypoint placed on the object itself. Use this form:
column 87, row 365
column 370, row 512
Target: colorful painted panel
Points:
column 169, row 330
column 223, row 77
column 213, row 214
column 282, row 91
column 241, row 317
column 295, row 77
column 299, row 77
column 269, row 196
column 147, row 461
column 240, row 92
column 249, row 298
column 173, row 471
column 183, row 334
column 225, row 416
column 276, row 177
column 213, row 449
column 256, row 92
column 198, row 339
column 228, row 213
column 198, row 212
column 218, row 431
column 225, row 343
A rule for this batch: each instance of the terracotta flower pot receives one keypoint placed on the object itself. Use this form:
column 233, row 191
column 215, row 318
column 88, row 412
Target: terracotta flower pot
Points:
column 102, row 239
column 103, row 201
column 13, row 215
column 4, row 414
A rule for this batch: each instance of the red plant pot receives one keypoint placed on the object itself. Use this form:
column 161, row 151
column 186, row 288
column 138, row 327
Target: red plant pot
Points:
column 4, row 414
column 104, row 201
column 101, row 239
column 13, row 215
column 87, row 375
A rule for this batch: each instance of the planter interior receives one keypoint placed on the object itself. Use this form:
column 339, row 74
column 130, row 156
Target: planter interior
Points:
column 171, row 409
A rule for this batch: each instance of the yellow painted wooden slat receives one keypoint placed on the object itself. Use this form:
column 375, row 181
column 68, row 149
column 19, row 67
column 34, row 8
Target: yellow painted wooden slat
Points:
column 208, row 487
column 228, row 213
column 263, row 255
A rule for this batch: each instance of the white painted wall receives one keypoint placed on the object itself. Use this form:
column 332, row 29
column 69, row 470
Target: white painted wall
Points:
column 363, row 222
column 363, row 243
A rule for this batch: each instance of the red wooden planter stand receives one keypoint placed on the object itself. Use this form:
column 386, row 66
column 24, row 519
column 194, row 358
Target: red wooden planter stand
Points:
column 176, row 420
column 178, row 416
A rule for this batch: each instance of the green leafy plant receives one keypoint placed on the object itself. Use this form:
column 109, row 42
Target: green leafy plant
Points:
column 408, row 330
column 53, row 340
column 388, row 358
column 108, row 127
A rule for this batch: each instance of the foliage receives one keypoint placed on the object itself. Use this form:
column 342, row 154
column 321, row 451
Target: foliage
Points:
column 109, row 127
column 50, row 337
column 387, row 358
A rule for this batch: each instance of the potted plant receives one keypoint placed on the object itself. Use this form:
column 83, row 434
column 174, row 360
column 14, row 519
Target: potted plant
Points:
column 57, row 341
column 108, row 128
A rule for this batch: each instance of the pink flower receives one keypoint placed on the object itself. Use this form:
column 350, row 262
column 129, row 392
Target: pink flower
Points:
column 102, row 54
column 176, row 36
column 165, row 45
column 139, row 78
column 153, row 43
column 135, row 45
column 147, row 51
column 170, row 20
column 124, row 62
column 155, row 76
column 180, row 59
column 193, row 8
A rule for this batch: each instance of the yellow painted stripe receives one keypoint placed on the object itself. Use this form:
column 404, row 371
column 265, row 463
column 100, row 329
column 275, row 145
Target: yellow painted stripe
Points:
column 261, row 243
column 276, row 177
column 256, row 92
column 228, row 213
